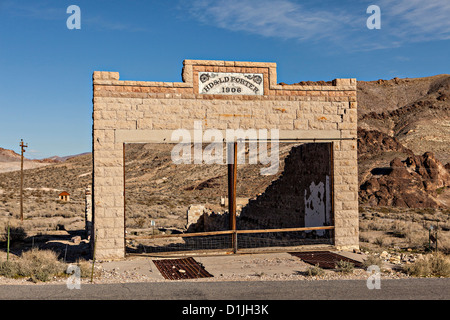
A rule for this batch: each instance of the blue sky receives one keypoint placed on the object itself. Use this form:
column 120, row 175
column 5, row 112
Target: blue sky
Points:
column 46, row 69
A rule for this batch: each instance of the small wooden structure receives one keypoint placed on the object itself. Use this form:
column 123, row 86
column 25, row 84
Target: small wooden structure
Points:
column 64, row 196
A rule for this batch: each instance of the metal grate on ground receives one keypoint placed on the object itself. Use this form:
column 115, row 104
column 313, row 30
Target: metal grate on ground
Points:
column 325, row 259
column 179, row 269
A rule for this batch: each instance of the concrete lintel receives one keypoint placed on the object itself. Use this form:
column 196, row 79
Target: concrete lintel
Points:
column 165, row 136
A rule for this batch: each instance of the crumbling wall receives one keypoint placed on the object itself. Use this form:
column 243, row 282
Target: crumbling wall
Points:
column 195, row 217
column 300, row 197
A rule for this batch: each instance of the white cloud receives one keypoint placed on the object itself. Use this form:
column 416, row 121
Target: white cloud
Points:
column 282, row 18
column 417, row 20
column 402, row 21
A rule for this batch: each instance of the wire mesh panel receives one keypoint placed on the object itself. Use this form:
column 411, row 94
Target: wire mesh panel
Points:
column 231, row 240
column 280, row 239
column 183, row 244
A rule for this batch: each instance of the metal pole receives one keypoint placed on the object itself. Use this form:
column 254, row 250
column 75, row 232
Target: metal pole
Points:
column 93, row 257
column 429, row 239
column 436, row 238
column 232, row 173
column 7, row 246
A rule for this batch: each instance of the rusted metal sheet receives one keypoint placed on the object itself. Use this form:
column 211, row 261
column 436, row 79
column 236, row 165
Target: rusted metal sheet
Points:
column 178, row 269
column 325, row 259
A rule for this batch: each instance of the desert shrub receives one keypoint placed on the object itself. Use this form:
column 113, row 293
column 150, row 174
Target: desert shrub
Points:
column 417, row 238
column 372, row 260
column 400, row 229
column 364, row 225
column 444, row 243
column 39, row 265
column 8, row 269
column 315, row 271
column 140, row 222
column 441, row 190
column 379, row 241
column 363, row 238
column 440, row 265
column 85, row 268
column 436, row 265
column 384, row 210
column 345, row 266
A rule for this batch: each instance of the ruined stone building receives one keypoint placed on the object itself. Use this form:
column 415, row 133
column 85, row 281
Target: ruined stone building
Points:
column 230, row 95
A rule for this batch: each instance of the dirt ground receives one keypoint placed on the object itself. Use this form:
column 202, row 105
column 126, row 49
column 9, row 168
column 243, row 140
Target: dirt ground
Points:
column 231, row 267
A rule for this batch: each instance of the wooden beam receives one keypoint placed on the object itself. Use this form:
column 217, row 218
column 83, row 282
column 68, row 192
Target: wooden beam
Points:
column 215, row 233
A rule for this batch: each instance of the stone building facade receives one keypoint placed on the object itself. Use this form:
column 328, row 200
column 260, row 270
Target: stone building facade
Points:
column 222, row 95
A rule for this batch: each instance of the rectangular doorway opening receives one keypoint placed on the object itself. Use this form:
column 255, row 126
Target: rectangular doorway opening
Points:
column 172, row 208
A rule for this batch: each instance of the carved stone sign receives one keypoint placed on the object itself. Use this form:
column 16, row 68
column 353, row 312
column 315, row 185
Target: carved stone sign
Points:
column 231, row 83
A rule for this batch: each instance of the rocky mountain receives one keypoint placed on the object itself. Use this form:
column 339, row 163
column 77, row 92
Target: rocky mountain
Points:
column 404, row 139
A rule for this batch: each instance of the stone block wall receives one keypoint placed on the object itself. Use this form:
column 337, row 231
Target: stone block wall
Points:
column 138, row 110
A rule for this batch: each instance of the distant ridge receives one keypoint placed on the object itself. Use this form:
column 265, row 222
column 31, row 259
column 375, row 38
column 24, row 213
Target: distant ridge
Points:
column 10, row 160
column 8, row 155
column 55, row 159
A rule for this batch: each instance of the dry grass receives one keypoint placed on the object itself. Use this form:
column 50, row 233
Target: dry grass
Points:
column 433, row 265
column 315, row 271
column 86, row 269
column 36, row 264
column 401, row 228
column 345, row 266
column 41, row 265
column 372, row 260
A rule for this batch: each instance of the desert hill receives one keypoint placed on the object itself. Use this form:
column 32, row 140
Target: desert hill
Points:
column 10, row 161
column 414, row 111
column 8, row 155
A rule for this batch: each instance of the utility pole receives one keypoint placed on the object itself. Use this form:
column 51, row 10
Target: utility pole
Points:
column 22, row 147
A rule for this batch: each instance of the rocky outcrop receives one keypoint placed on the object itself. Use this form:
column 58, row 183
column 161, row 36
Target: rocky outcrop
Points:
column 373, row 142
column 409, row 183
